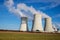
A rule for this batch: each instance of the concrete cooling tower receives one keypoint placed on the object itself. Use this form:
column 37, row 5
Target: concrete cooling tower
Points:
column 37, row 23
column 48, row 25
column 24, row 25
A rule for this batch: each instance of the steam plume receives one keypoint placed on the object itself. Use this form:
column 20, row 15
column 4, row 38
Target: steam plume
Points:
column 21, row 6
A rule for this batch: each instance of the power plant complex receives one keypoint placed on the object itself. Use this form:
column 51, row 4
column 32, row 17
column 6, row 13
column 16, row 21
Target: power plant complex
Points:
column 22, row 10
column 37, row 24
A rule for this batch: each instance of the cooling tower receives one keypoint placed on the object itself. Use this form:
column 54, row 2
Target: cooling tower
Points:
column 48, row 25
column 24, row 25
column 37, row 23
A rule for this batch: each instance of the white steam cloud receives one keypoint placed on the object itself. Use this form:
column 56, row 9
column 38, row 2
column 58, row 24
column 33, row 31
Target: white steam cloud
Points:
column 10, row 5
column 21, row 6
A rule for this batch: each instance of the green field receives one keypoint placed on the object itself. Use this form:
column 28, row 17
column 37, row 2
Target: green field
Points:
column 28, row 36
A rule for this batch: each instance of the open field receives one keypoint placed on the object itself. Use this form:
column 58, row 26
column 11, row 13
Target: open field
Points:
column 28, row 36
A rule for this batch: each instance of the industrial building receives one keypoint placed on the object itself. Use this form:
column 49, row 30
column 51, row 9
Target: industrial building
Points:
column 37, row 24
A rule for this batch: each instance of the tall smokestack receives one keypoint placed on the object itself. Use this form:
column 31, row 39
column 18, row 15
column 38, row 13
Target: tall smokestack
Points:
column 24, row 25
column 37, row 23
column 48, row 25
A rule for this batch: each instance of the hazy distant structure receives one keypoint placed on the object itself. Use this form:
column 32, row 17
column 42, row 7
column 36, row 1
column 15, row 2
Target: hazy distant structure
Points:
column 48, row 25
column 24, row 25
column 37, row 23
column 55, row 29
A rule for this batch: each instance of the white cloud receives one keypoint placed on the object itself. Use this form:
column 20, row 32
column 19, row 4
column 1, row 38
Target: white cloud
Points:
column 22, row 6
column 10, row 5
column 57, row 15
column 57, row 24
column 33, row 10
column 53, row 3
column 43, row 14
column 39, row 1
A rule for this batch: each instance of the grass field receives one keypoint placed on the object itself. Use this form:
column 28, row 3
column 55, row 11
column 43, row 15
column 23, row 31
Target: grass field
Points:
column 28, row 36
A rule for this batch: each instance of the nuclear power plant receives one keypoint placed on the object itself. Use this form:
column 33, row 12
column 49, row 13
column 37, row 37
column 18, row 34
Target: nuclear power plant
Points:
column 37, row 24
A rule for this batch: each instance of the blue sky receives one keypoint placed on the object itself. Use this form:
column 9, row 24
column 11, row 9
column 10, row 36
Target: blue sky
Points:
column 9, row 20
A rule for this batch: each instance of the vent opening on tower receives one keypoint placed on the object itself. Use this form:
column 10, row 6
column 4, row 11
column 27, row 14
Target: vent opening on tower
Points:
column 37, row 30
